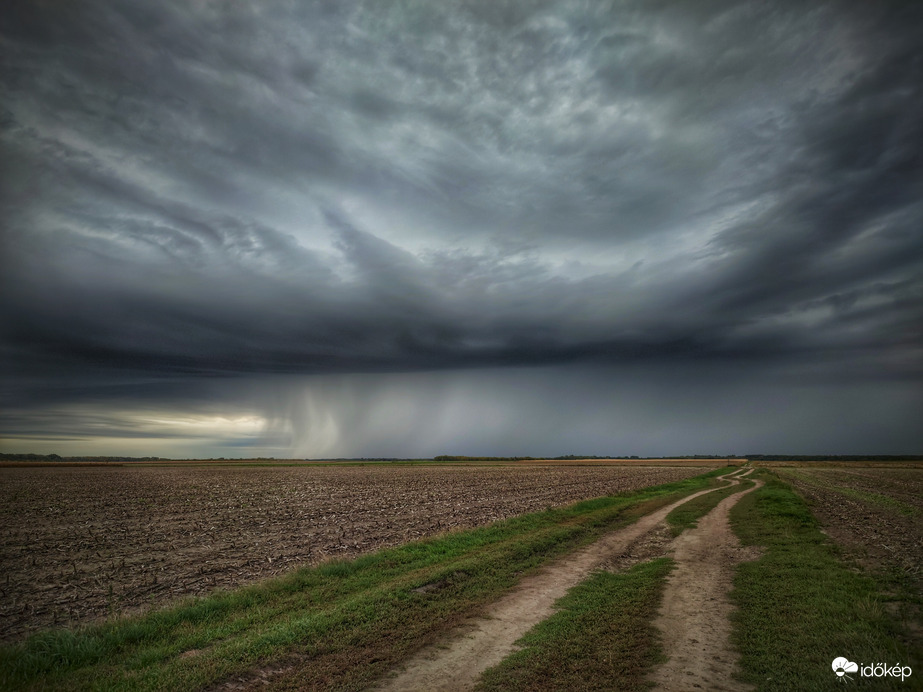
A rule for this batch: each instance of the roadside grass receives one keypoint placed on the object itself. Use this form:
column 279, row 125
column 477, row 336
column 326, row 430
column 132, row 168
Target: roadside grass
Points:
column 337, row 626
column 601, row 638
column 902, row 599
column 687, row 515
column 799, row 606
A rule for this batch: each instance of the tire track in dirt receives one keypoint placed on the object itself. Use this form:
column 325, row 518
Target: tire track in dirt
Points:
column 458, row 662
column 694, row 619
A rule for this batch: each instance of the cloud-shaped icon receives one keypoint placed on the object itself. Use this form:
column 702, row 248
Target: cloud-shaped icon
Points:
column 841, row 666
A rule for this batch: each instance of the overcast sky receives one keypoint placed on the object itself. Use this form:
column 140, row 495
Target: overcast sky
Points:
column 401, row 228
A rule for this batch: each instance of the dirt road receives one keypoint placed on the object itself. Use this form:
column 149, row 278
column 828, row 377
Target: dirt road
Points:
column 694, row 619
column 485, row 642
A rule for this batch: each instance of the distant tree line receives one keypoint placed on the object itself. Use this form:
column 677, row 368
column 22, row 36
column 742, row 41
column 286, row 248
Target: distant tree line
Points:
column 57, row 457
column 328, row 460
column 452, row 457
column 835, row 457
column 565, row 457
column 574, row 457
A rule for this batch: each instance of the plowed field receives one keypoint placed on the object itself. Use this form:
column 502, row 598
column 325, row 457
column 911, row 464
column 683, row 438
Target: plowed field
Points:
column 81, row 543
column 876, row 513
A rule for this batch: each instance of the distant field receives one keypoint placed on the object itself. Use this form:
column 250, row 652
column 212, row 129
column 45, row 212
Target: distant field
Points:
column 840, row 463
column 875, row 513
column 81, row 542
column 702, row 463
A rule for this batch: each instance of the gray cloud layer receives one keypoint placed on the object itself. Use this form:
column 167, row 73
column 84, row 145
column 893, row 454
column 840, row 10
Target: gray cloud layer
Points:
column 196, row 190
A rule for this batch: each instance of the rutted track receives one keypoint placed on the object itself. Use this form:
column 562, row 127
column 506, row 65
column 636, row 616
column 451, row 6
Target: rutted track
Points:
column 486, row 641
column 694, row 619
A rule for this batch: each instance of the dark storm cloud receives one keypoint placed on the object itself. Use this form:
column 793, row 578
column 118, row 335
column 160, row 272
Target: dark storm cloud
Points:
column 194, row 191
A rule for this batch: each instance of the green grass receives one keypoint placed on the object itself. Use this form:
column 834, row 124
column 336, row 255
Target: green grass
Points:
column 687, row 515
column 601, row 638
column 345, row 623
column 799, row 605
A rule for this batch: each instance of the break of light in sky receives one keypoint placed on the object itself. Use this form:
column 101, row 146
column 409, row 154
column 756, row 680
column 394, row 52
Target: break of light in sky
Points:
column 414, row 228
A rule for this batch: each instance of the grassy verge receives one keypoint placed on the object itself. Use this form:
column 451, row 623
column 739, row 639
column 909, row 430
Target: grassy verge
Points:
column 687, row 515
column 799, row 605
column 600, row 639
column 342, row 623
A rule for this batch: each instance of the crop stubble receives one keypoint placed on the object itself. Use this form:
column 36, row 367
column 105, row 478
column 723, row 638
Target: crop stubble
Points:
column 82, row 543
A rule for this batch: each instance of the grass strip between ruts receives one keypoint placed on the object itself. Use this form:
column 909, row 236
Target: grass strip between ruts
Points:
column 601, row 638
column 799, row 606
column 336, row 626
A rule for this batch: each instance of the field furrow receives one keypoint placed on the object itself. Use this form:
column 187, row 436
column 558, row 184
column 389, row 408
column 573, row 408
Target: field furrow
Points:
column 874, row 513
column 81, row 543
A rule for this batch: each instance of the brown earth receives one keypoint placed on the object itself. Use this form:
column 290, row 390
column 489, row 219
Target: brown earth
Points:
column 80, row 543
